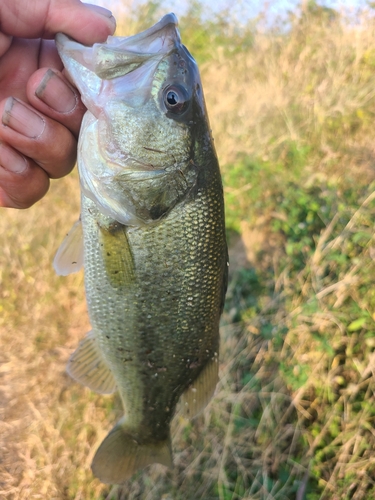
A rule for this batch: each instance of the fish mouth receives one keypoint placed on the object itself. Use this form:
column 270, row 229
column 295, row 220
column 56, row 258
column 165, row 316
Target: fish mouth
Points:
column 160, row 38
column 119, row 56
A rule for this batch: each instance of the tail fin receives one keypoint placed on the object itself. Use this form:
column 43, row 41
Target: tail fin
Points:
column 120, row 456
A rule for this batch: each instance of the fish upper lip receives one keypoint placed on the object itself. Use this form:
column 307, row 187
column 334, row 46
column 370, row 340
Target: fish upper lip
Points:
column 107, row 59
column 167, row 24
column 141, row 43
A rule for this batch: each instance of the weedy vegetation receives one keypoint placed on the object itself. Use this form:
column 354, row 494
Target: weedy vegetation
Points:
column 292, row 109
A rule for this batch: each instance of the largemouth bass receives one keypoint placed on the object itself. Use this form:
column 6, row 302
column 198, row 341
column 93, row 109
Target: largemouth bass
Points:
column 154, row 249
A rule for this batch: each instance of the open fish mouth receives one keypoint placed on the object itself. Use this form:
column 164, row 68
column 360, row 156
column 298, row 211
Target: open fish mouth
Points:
column 122, row 66
column 120, row 56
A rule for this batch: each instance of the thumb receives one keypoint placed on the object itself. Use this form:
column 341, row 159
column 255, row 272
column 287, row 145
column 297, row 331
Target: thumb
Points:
column 86, row 23
column 44, row 18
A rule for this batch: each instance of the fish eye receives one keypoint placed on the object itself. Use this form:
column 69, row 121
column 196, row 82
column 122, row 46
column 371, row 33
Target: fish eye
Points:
column 176, row 99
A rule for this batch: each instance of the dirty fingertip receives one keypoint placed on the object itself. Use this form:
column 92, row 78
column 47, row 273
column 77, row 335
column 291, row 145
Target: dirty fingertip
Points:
column 12, row 161
column 56, row 93
column 22, row 119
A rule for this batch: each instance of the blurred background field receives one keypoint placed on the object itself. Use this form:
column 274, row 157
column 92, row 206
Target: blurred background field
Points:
column 292, row 108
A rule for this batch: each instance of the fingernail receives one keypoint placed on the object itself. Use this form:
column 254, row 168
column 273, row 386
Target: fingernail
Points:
column 107, row 14
column 56, row 93
column 22, row 119
column 99, row 10
column 104, row 13
column 12, row 161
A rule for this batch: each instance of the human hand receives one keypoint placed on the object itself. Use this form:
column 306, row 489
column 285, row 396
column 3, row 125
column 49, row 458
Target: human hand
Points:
column 40, row 111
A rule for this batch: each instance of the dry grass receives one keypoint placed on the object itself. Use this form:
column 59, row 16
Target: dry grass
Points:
column 296, row 392
column 298, row 89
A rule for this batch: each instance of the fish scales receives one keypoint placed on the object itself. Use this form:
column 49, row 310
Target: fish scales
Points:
column 170, row 308
column 154, row 249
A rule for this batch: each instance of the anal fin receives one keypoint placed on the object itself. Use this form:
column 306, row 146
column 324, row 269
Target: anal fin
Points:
column 198, row 394
column 87, row 366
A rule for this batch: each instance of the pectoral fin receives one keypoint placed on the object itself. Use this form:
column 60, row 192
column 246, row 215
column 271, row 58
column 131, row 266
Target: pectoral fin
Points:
column 120, row 455
column 87, row 366
column 198, row 394
column 69, row 256
column 117, row 255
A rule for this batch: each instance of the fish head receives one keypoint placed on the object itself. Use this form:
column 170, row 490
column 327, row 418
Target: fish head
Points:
column 145, row 112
